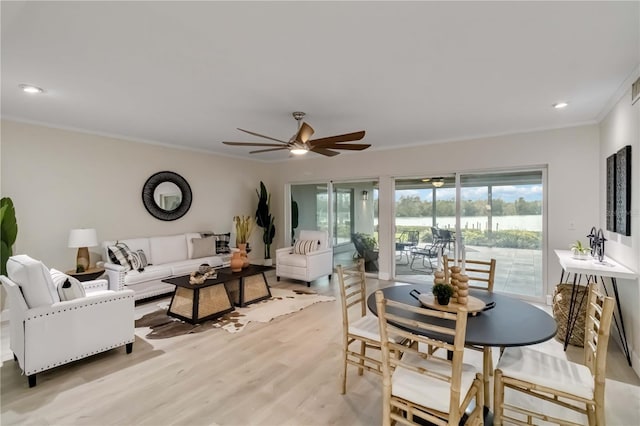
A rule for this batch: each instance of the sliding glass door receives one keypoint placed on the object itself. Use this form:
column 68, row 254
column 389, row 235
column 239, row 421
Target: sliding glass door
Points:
column 502, row 218
column 499, row 215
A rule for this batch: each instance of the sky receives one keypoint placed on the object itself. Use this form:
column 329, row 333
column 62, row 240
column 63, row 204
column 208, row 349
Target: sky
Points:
column 508, row 193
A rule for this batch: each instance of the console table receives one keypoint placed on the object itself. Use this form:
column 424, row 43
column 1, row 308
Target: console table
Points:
column 592, row 269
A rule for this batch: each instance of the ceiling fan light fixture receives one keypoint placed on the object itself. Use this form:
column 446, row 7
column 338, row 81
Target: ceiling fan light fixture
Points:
column 437, row 182
column 31, row 89
column 299, row 149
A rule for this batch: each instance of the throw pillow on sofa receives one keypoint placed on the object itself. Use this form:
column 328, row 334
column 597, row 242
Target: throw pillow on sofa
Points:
column 203, row 247
column 119, row 254
column 222, row 242
column 305, row 246
column 138, row 260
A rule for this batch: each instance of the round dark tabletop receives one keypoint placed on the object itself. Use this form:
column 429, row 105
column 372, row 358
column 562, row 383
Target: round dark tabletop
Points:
column 511, row 322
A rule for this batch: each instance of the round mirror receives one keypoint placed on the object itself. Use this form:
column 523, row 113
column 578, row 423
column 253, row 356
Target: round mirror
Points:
column 166, row 196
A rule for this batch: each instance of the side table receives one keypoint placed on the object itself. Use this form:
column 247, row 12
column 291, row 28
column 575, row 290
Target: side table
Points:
column 88, row 275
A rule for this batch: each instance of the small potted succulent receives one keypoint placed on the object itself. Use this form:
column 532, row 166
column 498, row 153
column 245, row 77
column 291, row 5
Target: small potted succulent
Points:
column 579, row 251
column 442, row 293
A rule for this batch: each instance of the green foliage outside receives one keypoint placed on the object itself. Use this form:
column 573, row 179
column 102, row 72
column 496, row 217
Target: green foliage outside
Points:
column 472, row 237
column 8, row 231
column 413, row 206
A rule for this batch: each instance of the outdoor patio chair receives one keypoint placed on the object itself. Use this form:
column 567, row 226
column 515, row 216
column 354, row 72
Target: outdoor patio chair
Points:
column 406, row 242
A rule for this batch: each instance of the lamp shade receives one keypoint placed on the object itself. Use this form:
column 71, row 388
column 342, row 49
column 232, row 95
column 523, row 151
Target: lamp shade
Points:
column 83, row 238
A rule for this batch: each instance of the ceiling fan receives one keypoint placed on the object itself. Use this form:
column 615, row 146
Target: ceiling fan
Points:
column 301, row 142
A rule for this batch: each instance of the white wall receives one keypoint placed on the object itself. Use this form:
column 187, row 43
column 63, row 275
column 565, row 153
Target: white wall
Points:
column 60, row 180
column 619, row 128
column 571, row 156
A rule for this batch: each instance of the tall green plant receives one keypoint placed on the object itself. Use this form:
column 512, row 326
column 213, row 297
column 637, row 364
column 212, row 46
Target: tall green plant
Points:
column 265, row 220
column 294, row 218
column 8, row 231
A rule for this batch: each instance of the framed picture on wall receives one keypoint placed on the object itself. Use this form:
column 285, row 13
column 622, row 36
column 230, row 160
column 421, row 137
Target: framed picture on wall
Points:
column 623, row 191
column 611, row 193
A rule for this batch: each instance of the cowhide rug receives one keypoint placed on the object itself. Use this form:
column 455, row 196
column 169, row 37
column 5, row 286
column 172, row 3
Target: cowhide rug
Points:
column 282, row 302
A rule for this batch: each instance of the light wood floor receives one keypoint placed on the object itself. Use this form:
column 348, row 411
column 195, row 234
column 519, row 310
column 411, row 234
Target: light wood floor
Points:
column 282, row 373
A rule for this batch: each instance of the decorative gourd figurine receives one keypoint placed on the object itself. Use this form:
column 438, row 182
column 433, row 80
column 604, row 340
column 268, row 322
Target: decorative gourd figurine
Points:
column 463, row 289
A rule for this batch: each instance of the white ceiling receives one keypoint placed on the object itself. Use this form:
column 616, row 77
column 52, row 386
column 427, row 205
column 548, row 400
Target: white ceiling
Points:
column 409, row 73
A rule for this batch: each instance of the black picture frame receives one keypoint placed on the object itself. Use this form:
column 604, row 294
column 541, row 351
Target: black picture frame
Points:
column 611, row 193
column 623, row 191
column 150, row 203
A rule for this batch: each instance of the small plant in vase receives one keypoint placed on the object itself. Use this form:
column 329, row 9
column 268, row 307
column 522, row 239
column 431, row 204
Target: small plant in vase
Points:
column 442, row 293
column 579, row 251
column 244, row 227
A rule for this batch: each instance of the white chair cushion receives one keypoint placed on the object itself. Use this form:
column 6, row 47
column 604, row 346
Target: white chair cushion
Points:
column 70, row 291
column 34, row 280
column 547, row 370
column 368, row 326
column 168, row 249
column 428, row 391
column 298, row 260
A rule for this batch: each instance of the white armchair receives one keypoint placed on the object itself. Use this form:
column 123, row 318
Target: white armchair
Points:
column 306, row 262
column 46, row 332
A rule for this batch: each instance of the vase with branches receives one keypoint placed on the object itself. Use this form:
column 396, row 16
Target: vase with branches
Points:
column 244, row 227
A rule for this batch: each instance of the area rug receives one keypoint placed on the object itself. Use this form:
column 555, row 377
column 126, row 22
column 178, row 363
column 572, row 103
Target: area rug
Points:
column 282, row 302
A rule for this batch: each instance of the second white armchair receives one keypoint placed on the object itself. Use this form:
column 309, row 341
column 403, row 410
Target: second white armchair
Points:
column 308, row 259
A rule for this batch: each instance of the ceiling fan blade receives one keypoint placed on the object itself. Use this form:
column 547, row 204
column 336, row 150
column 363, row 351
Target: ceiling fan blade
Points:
column 262, row 136
column 349, row 146
column 252, row 144
column 304, row 133
column 267, row 150
column 355, row 136
column 324, row 151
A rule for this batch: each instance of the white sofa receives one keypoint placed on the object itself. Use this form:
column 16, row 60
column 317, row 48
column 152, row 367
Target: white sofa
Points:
column 168, row 256
column 46, row 332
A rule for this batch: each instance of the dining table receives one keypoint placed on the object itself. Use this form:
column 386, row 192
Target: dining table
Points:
column 505, row 322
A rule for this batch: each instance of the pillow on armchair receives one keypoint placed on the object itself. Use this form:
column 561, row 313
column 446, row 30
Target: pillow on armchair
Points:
column 69, row 288
column 34, row 280
column 305, row 246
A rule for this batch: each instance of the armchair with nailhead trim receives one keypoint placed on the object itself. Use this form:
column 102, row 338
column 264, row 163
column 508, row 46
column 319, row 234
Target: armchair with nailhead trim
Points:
column 46, row 332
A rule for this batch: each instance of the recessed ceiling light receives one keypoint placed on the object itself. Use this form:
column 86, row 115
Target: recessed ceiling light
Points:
column 28, row 88
column 560, row 105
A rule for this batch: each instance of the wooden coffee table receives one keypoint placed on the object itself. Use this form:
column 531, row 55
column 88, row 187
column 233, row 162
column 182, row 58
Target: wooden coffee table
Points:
column 195, row 303
column 247, row 286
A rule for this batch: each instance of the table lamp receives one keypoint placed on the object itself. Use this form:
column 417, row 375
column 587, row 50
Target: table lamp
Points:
column 82, row 239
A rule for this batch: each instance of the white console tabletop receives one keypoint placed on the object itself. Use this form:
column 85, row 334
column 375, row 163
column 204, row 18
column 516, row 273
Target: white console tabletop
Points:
column 608, row 268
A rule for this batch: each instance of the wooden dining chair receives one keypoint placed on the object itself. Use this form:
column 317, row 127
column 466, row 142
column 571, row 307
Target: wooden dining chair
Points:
column 481, row 273
column 357, row 326
column 417, row 384
column 578, row 387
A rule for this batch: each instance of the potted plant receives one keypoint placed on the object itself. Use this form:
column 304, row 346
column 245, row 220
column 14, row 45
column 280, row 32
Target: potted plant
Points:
column 442, row 293
column 579, row 251
column 8, row 231
column 265, row 221
column 244, row 227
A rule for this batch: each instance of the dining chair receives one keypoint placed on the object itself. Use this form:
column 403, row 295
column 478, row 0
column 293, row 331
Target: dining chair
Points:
column 581, row 386
column 417, row 384
column 481, row 275
column 357, row 326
